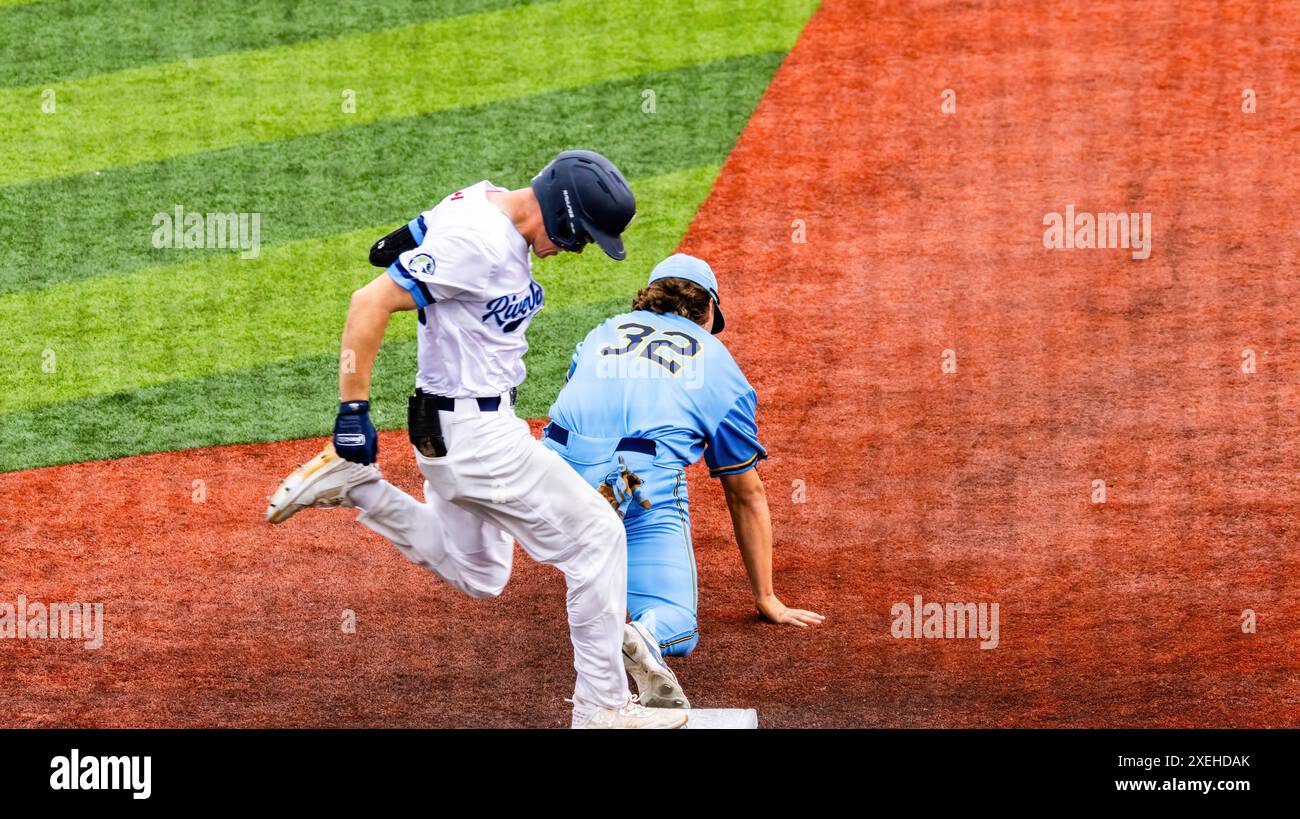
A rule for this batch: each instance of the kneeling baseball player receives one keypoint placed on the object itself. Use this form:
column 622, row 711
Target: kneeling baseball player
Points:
column 465, row 266
column 648, row 393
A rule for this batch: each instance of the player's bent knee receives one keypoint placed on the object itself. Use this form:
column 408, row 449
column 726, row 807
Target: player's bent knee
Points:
column 606, row 535
column 681, row 646
column 611, row 529
column 479, row 593
column 601, row 554
column 486, row 589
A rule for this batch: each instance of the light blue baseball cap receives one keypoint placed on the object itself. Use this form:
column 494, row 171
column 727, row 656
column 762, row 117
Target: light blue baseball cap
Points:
column 681, row 266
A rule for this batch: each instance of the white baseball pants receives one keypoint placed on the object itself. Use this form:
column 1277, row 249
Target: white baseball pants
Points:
column 495, row 485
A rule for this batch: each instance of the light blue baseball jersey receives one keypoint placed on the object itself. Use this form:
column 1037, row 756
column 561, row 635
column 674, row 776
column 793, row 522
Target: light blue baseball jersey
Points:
column 666, row 378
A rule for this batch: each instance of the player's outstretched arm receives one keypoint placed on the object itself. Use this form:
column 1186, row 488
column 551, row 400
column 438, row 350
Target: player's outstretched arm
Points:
column 355, row 438
column 364, row 331
column 752, row 522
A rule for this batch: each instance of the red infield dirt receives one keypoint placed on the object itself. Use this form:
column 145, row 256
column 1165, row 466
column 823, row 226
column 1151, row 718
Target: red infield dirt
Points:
column 924, row 233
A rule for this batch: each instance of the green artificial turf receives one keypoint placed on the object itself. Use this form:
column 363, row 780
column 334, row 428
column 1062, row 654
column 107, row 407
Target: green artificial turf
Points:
column 118, row 347
column 100, row 223
column 223, row 313
column 178, row 108
column 41, row 39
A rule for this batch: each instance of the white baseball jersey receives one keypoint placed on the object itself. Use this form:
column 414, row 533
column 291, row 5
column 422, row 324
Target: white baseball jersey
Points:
column 471, row 276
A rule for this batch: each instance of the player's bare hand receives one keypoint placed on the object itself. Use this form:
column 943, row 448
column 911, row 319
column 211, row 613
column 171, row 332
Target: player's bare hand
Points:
column 776, row 611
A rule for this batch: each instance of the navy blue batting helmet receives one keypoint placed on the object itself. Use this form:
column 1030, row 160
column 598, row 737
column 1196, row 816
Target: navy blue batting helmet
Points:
column 584, row 198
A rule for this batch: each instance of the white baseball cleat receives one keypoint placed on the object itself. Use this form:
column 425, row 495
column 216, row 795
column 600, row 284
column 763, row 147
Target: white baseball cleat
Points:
column 632, row 715
column 323, row 482
column 656, row 683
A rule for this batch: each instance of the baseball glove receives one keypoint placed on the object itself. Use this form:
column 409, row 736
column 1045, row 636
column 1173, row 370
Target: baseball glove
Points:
column 621, row 488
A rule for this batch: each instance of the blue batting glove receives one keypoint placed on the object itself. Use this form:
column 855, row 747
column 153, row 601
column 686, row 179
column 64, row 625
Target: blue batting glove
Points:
column 355, row 438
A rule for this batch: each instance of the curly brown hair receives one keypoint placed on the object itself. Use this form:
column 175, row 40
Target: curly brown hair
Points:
column 674, row 295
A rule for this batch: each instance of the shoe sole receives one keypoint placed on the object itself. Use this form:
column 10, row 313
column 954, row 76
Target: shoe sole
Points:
column 291, row 488
column 657, row 689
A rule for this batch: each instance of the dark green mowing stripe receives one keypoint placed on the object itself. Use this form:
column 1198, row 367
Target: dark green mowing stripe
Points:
column 100, row 224
column 69, row 39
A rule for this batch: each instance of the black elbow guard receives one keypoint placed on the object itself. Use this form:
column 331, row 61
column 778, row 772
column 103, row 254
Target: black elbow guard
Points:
column 387, row 249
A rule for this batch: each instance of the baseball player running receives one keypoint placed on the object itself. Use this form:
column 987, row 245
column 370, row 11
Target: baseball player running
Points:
column 648, row 392
column 465, row 267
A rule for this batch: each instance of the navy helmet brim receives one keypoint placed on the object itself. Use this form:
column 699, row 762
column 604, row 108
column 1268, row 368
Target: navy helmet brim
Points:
column 610, row 243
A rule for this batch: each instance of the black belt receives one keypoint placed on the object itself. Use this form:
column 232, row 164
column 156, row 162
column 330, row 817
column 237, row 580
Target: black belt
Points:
column 491, row 404
column 645, row 446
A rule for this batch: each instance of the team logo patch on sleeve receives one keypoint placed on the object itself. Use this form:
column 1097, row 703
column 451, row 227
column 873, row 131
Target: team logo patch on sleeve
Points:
column 421, row 264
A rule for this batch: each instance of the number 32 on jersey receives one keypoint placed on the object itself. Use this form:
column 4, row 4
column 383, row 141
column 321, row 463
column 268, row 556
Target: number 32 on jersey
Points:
column 663, row 347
